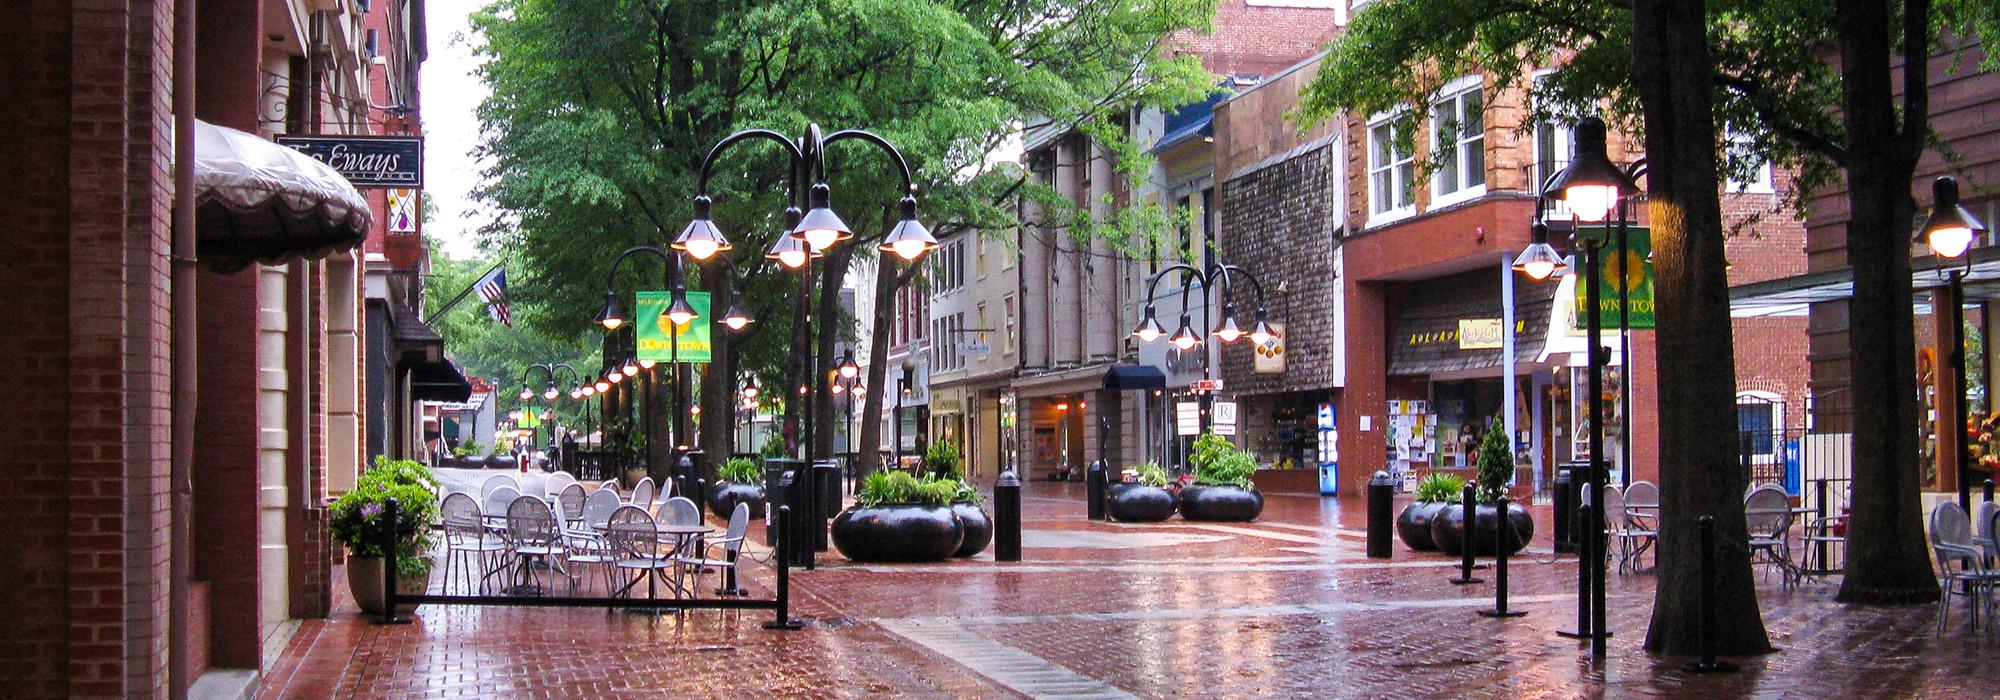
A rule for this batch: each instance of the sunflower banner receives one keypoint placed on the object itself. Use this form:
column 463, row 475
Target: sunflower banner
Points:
column 658, row 336
column 1632, row 272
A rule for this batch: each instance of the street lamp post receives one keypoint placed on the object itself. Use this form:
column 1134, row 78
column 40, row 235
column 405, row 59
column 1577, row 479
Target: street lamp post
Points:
column 1591, row 185
column 1949, row 232
column 678, row 313
column 549, row 394
column 1185, row 338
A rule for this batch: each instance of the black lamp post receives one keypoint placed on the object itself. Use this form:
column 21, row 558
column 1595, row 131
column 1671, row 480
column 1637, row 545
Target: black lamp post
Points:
column 549, row 393
column 1185, row 338
column 1592, row 186
column 1949, row 232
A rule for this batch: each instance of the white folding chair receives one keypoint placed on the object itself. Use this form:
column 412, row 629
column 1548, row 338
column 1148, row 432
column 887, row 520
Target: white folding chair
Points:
column 496, row 481
column 466, row 538
column 1633, row 539
column 536, row 485
column 495, row 506
column 1982, row 530
column 597, row 509
column 558, row 481
column 642, row 493
column 635, row 547
column 570, row 502
column 532, row 535
column 731, row 544
column 1961, row 570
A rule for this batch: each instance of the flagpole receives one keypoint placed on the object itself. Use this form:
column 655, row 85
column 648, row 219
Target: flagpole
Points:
column 465, row 292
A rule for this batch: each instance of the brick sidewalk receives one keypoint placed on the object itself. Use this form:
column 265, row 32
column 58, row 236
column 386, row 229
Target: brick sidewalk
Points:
column 1284, row 607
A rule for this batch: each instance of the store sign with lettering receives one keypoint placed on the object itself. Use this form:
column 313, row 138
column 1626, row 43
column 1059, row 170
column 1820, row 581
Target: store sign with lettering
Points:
column 1480, row 333
column 367, row 161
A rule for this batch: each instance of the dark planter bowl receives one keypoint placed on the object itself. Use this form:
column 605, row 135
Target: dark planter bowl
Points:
column 1448, row 528
column 1138, row 503
column 501, row 462
column 724, row 495
column 1414, row 526
column 897, row 533
column 1221, row 503
column 978, row 529
column 475, row 461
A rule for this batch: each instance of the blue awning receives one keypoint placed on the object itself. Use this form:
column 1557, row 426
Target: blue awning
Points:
column 1134, row 377
column 1189, row 122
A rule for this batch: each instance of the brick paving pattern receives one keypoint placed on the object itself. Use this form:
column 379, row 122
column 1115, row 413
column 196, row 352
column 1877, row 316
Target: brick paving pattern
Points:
column 1284, row 607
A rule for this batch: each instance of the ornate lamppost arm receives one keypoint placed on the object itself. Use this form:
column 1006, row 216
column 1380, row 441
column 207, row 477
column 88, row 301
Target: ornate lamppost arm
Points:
column 708, row 162
column 902, row 165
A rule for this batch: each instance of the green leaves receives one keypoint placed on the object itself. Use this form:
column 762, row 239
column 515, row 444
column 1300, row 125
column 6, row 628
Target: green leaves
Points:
column 1217, row 462
column 740, row 470
column 1496, row 462
column 359, row 517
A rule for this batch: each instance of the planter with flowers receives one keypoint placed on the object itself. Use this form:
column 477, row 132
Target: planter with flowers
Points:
column 359, row 521
column 738, row 481
column 899, row 518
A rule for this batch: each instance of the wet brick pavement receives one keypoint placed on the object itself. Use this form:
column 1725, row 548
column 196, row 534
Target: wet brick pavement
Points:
column 1284, row 607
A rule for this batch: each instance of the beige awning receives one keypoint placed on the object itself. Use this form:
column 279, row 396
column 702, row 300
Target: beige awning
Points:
column 257, row 201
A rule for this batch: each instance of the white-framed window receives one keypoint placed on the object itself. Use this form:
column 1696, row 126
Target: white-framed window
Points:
column 1760, row 422
column 1742, row 149
column 1007, row 335
column 1392, row 172
column 1458, row 133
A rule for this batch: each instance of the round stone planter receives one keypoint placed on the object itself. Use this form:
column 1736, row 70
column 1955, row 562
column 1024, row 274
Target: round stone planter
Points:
column 1448, row 528
column 1413, row 526
column 978, row 529
column 1221, row 503
column 898, row 533
column 1138, row 503
column 501, row 462
column 724, row 495
column 364, row 579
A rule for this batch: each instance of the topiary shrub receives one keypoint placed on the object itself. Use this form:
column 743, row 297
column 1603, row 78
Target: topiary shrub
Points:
column 1496, row 462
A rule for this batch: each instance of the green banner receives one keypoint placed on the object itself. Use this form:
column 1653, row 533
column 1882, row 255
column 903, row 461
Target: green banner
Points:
column 656, row 333
column 1633, row 273
column 530, row 418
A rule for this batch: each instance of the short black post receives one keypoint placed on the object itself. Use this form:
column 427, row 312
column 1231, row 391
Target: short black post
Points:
column 1708, row 663
column 1989, row 490
column 1007, row 517
column 391, row 512
column 1466, row 541
column 826, row 501
column 1504, row 540
column 1381, row 514
column 700, row 497
column 1583, row 630
column 782, row 620
column 1564, row 503
column 1093, row 491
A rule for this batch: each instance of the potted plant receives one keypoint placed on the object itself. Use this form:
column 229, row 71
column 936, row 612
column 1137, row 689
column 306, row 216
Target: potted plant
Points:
column 469, row 455
column 1222, row 489
column 738, row 481
column 978, row 526
column 896, row 517
column 1496, row 467
column 359, row 521
column 1144, row 498
column 1435, row 492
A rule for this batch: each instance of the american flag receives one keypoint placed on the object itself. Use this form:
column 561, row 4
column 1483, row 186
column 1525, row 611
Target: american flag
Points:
column 493, row 289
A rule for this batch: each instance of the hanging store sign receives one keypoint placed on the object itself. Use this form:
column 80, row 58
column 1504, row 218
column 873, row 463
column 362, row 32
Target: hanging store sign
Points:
column 658, row 336
column 367, row 161
column 1632, row 273
column 1269, row 357
column 1225, row 418
column 1187, row 418
column 1480, row 333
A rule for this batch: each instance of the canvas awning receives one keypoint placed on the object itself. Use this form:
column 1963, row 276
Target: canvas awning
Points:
column 438, row 381
column 257, row 201
column 1134, row 377
column 1426, row 338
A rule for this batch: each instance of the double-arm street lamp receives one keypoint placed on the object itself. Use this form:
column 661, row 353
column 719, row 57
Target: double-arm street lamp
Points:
column 1186, row 338
column 550, row 393
column 847, row 380
column 678, row 313
column 1949, row 232
column 1592, row 186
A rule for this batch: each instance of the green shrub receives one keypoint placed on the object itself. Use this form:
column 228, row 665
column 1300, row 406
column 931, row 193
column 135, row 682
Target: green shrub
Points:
column 468, row 448
column 1496, row 462
column 1217, row 462
column 357, row 516
column 1440, row 487
column 943, row 461
column 740, row 470
column 967, row 493
column 938, row 492
column 1150, row 474
column 773, row 448
column 899, row 488
column 1208, row 448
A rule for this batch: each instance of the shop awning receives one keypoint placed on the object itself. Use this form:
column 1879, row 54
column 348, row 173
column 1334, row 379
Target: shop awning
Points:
column 1450, row 324
column 1189, row 122
column 1133, row 377
column 438, row 381
column 257, row 201
column 1792, row 296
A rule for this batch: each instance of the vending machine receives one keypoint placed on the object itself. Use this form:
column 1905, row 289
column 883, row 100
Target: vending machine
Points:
column 1329, row 451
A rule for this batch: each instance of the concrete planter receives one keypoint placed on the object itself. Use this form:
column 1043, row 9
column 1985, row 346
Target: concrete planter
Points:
column 898, row 533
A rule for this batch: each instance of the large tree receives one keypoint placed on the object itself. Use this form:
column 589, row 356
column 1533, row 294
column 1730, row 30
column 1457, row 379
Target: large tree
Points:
column 1674, row 73
column 602, row 112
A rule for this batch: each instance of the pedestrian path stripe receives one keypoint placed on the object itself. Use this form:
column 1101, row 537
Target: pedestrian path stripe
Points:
column 1008, row 666
column 1239, row 612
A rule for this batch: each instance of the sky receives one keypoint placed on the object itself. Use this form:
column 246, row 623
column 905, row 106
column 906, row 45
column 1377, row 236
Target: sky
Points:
column 451, row 93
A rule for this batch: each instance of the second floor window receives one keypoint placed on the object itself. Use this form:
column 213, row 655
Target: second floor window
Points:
column 1741, row 161
column 1391, row 171
column 1458, row 132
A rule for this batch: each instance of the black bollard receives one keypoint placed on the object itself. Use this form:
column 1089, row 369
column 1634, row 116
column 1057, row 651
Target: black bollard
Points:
column 1564, row 503
column 1381, row 514
column 1504, row 539
column 782, row 620
column 1007, row 517
column 700, row 498
column 1708, row 663
column 1989, row 490
column 1466, row 539
column 1093, row 490
column 391, row 511
column 1583, row 579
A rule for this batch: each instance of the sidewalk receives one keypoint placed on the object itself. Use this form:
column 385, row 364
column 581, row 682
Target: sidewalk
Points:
column 1283, row 607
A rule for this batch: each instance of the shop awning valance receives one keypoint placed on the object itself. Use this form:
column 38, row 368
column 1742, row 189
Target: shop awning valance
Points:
column 257, row 201
column 1132, row 377
column 1426, row 336
column 438, row 381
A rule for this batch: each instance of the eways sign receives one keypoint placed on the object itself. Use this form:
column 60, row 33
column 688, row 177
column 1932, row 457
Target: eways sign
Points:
column 367, row 161
column 657, row 335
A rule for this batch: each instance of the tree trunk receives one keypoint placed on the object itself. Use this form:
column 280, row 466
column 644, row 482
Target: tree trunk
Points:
column 796, row 373
column 1886, row 561
column 718, row 387
column 1697, row 390
column 829, row 326
column 887, row 281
